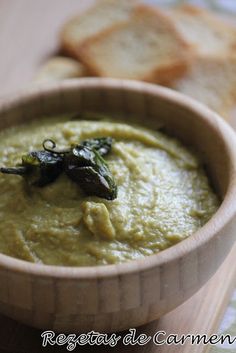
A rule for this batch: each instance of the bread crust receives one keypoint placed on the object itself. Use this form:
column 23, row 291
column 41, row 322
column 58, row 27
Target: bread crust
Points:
column 58, row 68
column 223, row 34
column 68, row 44
column 163, row 73
column 212, row 81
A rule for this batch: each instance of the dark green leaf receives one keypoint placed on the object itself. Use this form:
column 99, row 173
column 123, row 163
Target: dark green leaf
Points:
column 43, row 167
column 87, row 168
column 102, row 145
column 39, row 168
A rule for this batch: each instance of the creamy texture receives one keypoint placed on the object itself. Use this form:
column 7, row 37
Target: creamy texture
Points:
column 163, row 197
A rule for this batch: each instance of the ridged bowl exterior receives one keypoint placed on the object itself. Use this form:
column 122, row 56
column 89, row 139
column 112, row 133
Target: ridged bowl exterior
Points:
column 117, row 297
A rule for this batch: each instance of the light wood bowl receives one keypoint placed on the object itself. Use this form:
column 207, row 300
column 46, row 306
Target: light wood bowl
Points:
column 117, row 297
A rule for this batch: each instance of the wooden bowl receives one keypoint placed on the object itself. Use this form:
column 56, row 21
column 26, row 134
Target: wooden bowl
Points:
column 117, row 297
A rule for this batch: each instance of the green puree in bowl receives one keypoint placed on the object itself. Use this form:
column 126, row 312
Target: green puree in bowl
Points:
column 163, row 197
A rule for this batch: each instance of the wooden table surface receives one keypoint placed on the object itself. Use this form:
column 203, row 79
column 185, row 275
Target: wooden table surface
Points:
column 28, row 35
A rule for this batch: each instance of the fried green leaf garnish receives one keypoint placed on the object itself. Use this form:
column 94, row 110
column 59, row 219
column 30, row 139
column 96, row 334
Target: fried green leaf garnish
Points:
column 43, row 167
column 39, row 168
column 87, row 167
column 82, row 163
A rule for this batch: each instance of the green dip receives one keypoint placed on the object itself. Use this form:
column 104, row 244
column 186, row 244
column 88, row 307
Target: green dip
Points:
column 164, row 196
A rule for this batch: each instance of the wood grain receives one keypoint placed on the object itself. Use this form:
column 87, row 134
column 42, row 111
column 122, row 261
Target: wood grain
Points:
column 33, row 29
column 199, row 315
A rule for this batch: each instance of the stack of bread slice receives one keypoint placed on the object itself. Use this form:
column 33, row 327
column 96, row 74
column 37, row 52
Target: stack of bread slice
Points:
column 211, row 75
column 186, row 48
column 204, row 30
column 103, row 15
column 145, row 46
column 212, row 81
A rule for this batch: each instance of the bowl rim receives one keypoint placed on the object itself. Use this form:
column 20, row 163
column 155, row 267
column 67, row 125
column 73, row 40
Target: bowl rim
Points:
column 221, row 218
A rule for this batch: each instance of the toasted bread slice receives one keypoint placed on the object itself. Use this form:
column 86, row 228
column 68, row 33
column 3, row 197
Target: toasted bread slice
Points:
column 201, row 28
column 147, row 47
column 59, row 68
column 212, row 81
column 102, row 15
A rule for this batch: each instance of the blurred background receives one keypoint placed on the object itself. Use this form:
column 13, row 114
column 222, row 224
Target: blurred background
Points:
column 220, row 5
